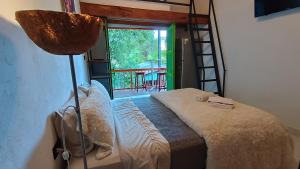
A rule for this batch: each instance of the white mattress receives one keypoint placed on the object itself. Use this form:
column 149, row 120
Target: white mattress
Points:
column 113, row 161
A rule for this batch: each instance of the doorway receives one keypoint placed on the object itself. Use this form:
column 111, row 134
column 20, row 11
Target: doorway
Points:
column 134, row 61
column 138, row 61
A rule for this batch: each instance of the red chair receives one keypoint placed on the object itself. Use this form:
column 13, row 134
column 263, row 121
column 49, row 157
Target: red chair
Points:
column 161, row 81
column 137, row 79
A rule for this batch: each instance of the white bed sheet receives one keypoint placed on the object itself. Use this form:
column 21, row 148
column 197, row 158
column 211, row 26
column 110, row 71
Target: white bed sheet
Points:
column 112, row 161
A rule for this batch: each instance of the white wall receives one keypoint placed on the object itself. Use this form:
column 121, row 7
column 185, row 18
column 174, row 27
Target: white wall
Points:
column 263, row 57
column 201, row 6
column 33, row 84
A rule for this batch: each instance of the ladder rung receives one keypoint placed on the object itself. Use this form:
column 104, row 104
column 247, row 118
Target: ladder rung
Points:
column 206, row 67
column 201, row 29
column 208, row 80
column 204, row 41
column 204, row 54
column 198, row 15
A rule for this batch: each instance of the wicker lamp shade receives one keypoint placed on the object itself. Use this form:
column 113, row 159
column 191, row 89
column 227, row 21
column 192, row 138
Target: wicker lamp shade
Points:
column 60, row 33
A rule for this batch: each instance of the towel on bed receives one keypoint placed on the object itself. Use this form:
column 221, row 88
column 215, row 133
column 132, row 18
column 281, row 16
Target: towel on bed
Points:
column 221, row 102
column 240, row 138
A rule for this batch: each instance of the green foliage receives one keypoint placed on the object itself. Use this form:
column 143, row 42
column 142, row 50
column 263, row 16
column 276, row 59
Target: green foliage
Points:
column 129, row 48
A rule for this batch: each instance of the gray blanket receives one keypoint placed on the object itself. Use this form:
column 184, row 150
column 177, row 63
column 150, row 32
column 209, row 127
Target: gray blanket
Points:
column 188, row 149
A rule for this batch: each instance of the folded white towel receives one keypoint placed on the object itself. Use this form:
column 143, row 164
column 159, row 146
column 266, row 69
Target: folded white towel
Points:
column 221, row 106
column 221, row 102
column 202, row 98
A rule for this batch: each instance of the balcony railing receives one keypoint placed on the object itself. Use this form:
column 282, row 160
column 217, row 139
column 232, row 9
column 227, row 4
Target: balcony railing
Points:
column 125, row 78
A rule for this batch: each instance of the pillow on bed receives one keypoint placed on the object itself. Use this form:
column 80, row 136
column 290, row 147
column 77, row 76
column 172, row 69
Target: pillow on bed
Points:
column 70, row 126
column 84, row 89
column 71, row 101
column 72, row 136
column 101, row 88
column 71, row 111
column 97, row 121
column 97, row 111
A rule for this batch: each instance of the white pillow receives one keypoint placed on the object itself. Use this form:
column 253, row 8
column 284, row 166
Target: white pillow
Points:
column 101, row 88
column 96, row 117
column 70, row 112
column 84, row 89
column 71, row 101
column 70, row 125
column 97, row 111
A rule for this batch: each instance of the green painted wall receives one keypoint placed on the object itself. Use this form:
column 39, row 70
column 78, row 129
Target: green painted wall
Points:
column 171, row 36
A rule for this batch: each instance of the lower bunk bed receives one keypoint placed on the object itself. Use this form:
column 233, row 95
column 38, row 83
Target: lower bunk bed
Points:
column 187, row 148
column 178, row 130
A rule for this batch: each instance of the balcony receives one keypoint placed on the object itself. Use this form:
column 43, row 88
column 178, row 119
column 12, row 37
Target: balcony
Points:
column 124, row 82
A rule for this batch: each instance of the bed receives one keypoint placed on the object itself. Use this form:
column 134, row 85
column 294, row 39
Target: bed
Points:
column 188, row 150
column 173, row 130
column 113, row 161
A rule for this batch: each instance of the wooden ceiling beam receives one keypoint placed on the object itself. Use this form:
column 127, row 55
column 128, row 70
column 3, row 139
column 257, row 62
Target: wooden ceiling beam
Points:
column 137, row 23
column 138, row 15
